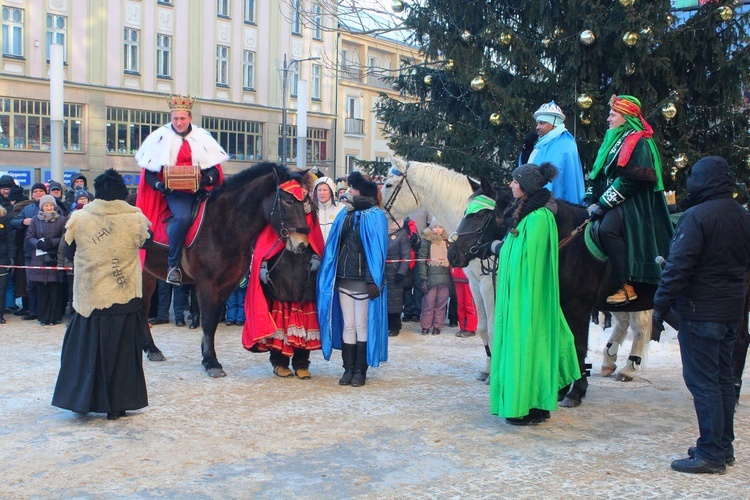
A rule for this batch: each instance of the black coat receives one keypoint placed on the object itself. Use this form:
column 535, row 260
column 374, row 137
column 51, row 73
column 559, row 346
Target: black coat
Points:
column 7, row 243
column 398, row 249
column 709, row 255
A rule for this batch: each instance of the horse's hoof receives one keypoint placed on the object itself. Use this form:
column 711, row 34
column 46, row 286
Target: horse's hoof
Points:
column 156, row 356
column 483, row 376
column 570, row 403
column 607, row 371
column 216, row 372
column 621, row 377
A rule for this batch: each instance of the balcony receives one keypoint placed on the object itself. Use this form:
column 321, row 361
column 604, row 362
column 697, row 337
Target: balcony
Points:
column 354, row 126
column 351, row 73
column 377, row 80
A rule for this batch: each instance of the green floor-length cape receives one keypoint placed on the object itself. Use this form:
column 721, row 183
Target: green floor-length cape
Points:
column 533, row 352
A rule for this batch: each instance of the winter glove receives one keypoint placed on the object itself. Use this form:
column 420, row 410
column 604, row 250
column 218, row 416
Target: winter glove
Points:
column 425, row 287
column 159, row 186
column 372, row 291
column 414, row 241
column 206, row 179
column 264, row 273
column 314, row 263
column 45, row 245
column 495, row 247
column 399, row 278
column 657, row 324
column 595, row 212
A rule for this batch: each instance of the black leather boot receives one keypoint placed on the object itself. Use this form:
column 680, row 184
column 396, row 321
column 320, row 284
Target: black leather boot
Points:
column 360, row 365
column 349, row 355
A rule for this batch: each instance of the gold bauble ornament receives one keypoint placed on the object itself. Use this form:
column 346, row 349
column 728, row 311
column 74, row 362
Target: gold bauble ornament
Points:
column 439, row 153
column 558, row 33
column 587, row 37
column 669, row 110
column 450, row 65
column 627, row 3
column 630, row 38
column 495, row 119
column 630, row 69
column 477, row 84
column 506, row 38
column 585, row 118
column 397, row 6
column 681, row 161
column 449, row 127
column 584, row 101
column 428, row 80
column 466, row 36
column 546, row 42
column 725, row 13
column 670, row 19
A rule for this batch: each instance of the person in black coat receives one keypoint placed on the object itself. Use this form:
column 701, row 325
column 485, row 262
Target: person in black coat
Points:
column 395, row 273
column 7, row 254
column 704, row 281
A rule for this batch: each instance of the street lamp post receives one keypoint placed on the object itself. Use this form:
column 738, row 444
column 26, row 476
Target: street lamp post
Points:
column 284, row 80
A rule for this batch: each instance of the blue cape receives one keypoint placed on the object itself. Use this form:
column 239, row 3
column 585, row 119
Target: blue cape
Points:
column 562, row 152
column 373, row 228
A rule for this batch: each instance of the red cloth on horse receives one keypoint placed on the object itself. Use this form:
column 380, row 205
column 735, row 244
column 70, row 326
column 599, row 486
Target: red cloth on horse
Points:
column 152, row 202
column 277, row 324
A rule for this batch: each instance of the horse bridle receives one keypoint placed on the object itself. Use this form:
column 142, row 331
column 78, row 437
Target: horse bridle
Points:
column 403, row 179
column 284, row 232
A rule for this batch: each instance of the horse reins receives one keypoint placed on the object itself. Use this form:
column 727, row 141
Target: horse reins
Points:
column 396, row 190
column 575, row 232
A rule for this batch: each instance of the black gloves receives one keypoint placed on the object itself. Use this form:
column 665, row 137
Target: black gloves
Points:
column 415, row 241
column 657, row 323
column 372, row 291
column 206, row 179
column 159, row 186
column 399, row 278
column 45, row 245
column 596, row 212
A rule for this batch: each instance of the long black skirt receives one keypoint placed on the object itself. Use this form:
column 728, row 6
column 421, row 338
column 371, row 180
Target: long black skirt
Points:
column 101, row 367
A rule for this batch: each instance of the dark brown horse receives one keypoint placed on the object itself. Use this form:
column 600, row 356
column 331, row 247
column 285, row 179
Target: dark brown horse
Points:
column 235, row 214
column 581, row 276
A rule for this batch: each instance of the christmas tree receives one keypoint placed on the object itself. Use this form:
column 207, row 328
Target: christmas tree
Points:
column 491, row 64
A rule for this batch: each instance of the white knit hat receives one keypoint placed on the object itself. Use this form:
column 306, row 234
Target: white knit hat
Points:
column 549, row 113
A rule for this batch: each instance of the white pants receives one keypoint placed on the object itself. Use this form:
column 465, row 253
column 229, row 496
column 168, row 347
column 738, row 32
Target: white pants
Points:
column 355, row 316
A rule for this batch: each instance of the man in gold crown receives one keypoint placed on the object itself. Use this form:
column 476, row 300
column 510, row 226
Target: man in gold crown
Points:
column 176, row 143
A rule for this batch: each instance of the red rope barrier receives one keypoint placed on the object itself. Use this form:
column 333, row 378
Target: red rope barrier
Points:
column 38, row 267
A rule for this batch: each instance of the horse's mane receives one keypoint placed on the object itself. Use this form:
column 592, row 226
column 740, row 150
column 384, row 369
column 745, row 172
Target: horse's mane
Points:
column 243, row 177
column 442, row 183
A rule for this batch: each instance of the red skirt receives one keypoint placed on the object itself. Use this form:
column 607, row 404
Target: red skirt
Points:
column 296, row 328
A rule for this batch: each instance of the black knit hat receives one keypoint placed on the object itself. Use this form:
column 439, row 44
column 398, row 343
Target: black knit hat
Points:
column 533, row 178
column 110, row 186
column 6, row 181
column 362, row 184
column 17, row 194
column 39, row 185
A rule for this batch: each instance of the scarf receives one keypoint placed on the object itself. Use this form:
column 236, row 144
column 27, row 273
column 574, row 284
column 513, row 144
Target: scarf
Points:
column 524, row 206
column 547, row 138
column 626, row 136
column 438, row 249
column 48, row 216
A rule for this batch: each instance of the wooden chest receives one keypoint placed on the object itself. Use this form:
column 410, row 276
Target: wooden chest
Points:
column 182, row 177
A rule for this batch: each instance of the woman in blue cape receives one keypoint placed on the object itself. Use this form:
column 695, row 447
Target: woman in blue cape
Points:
column 352, row 302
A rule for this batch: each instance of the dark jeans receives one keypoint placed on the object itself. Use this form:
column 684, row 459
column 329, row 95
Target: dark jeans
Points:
column 706, row 350
column 610, row 232
column 181, row 206
column 164, row 291
column 182, row 295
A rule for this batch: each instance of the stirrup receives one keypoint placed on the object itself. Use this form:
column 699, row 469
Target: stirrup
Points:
column 174, row 276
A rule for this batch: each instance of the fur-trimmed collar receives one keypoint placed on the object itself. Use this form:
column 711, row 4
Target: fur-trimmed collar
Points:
column 101, row 207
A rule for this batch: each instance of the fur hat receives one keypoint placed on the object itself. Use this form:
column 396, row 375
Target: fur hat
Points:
column 533, row 178
column 364, row 185
column 6, row 181
column 110, row 186
column 47, row 198
column 550, row 113
column 17, row 194
column 39, row 185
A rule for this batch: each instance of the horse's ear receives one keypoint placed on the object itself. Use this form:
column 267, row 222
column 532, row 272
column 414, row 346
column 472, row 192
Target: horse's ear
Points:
column 487, row 187
column 473, row 184
column 397, row 162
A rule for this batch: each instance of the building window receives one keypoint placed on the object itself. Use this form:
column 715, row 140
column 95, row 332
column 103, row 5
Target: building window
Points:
column 56, row 33
column 317, row 70
column 248, row 70
column 317, row 141
column 294, row 80
column 351, row 164
column 249, row 11
column 163, row 55
column 222, row 65
column 296, row 17
column 132, row 46
column 317, row 13
column 242, row 140
column 25, row 124
column 164, row 2
column 222, row 8
column 128, row 128
column 12, row 32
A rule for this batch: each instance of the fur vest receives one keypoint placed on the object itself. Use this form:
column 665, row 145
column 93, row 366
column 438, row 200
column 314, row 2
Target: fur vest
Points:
column 107, row 263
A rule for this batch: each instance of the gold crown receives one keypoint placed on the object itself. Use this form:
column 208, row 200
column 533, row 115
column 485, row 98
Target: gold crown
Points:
column 180, row 102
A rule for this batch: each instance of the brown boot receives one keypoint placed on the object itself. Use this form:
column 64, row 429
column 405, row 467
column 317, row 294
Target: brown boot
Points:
column 625, row 294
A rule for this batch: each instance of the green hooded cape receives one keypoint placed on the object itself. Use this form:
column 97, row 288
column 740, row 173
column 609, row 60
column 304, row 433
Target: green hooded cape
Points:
column 533, row 352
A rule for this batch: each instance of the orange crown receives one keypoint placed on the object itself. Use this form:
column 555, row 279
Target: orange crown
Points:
column 180, row 102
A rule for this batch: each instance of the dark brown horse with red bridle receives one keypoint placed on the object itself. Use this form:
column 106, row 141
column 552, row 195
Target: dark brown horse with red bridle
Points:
column 235, row 213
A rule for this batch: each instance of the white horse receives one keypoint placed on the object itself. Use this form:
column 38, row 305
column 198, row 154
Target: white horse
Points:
column 444, row 194
column 640, row 324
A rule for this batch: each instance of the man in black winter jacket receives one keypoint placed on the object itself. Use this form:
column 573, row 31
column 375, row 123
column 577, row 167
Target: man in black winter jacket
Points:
column 704, row 280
